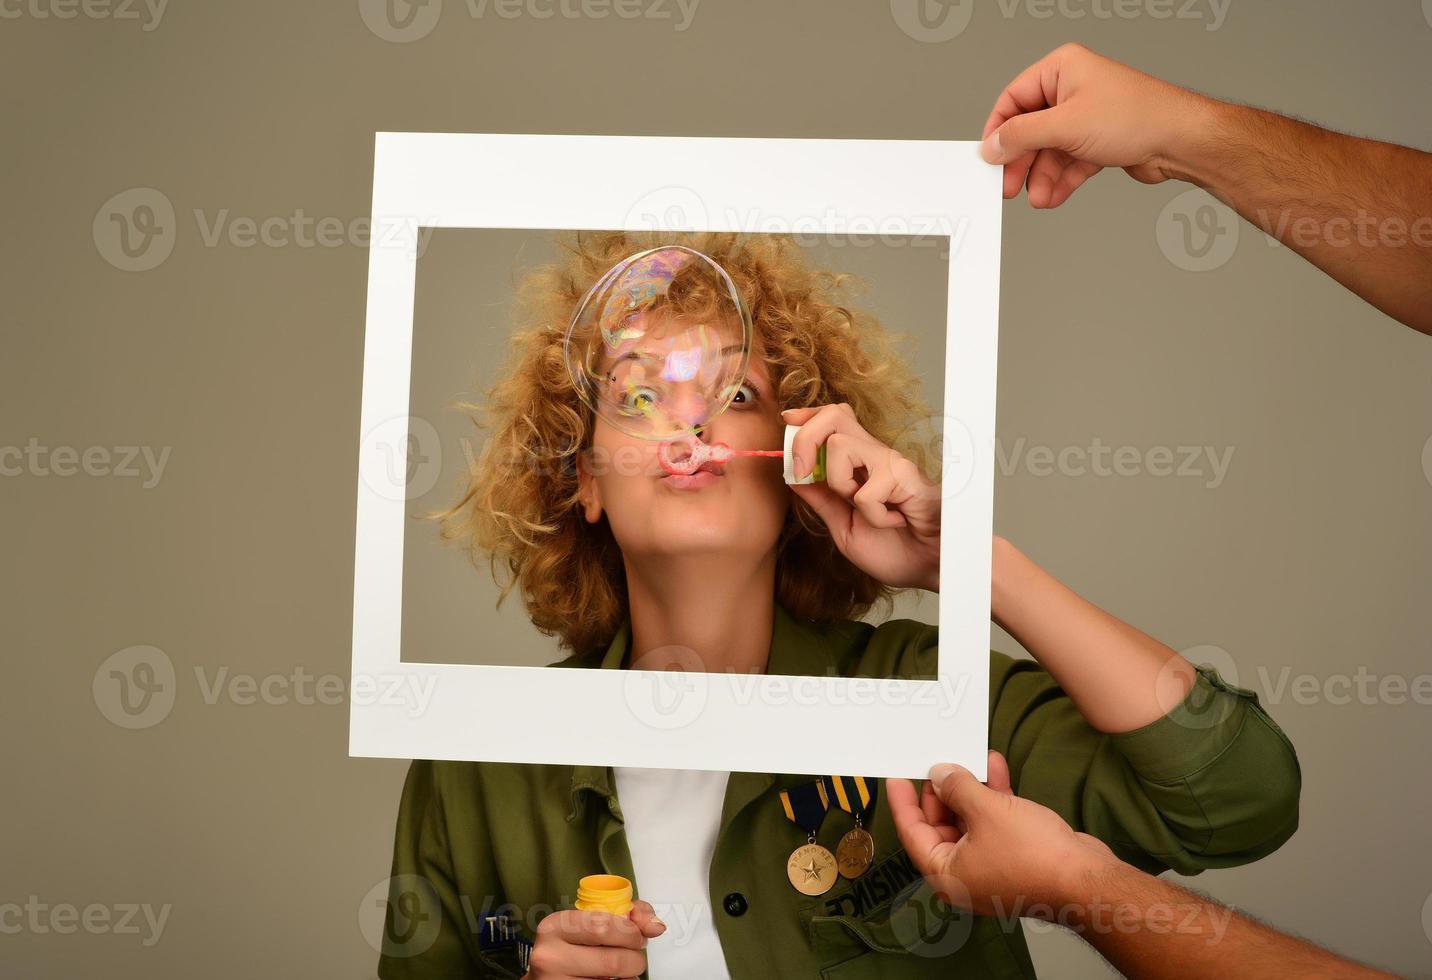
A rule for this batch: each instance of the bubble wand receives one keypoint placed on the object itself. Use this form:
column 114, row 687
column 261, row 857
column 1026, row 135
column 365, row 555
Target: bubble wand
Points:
column 699, row 453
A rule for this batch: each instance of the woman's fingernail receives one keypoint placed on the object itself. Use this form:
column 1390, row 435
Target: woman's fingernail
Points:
column 786, row 411
column 938, row 774
column 658, row 921
column 799, row 464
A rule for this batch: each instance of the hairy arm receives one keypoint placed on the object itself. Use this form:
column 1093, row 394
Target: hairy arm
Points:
column 1148, row 927
column 1358, row 209
column 983, row 848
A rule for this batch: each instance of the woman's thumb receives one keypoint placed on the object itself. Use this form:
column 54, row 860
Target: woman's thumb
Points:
column 644, row 917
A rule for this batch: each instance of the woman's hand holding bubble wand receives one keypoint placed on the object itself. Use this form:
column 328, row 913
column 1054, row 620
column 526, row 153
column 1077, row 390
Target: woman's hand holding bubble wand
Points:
column 882, row 512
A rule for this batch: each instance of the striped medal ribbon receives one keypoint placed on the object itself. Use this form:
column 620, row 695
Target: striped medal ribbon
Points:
column 811, row 868
column 856, row 796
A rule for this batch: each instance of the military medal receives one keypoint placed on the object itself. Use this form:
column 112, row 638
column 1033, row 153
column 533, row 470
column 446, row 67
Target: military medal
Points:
column 811, row 868
column 856, row 796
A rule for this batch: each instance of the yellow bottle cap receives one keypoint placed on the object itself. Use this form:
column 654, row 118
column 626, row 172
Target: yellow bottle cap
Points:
column 604, row 893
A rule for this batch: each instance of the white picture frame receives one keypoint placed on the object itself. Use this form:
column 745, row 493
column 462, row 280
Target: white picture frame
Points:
column 659, row 719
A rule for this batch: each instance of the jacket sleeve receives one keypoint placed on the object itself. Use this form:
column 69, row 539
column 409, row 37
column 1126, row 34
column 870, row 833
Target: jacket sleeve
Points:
column 427, row 925
column 1214, row 783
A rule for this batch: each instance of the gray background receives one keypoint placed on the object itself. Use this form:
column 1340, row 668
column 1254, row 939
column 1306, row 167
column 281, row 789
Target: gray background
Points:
column 249, row 820
column 462, row 324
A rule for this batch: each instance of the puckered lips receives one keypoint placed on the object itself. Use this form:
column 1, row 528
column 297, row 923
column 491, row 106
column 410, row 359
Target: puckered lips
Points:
column 706, row 474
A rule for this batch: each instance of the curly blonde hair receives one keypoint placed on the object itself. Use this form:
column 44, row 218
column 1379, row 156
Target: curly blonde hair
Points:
column 519, row 507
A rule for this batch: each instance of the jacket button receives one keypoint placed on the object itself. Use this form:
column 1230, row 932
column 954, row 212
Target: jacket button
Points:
column 735, row 904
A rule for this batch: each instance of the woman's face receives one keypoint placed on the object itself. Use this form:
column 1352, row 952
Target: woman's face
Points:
column 733, row 508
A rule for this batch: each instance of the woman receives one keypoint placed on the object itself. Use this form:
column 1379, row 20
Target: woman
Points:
column 1113, row 730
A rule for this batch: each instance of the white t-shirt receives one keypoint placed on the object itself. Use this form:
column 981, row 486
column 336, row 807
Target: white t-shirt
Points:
column 672, row 816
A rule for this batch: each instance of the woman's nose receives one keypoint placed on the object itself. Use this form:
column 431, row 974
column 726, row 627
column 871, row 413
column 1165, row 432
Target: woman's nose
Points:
column 690, row 409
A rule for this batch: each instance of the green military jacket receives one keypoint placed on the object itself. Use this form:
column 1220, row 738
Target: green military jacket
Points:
column 484, row 850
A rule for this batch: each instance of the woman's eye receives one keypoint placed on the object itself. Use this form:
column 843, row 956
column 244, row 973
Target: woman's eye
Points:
column 743, row 394
column 639, row 400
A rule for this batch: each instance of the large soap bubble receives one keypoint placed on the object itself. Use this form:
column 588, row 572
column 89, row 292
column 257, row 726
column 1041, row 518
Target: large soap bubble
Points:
column 660, row 344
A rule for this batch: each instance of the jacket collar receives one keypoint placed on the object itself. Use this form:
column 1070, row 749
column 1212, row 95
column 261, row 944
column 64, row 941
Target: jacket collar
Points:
column 796, row 649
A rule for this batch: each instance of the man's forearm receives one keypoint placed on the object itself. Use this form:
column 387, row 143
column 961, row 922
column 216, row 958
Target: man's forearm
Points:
column 1148, row 927
column 1358, row 209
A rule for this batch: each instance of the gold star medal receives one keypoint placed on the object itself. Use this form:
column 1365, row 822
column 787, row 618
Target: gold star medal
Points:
column 856, row 796
column 811, row 868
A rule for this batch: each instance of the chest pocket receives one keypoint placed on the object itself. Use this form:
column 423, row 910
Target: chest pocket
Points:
column 913, row 935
